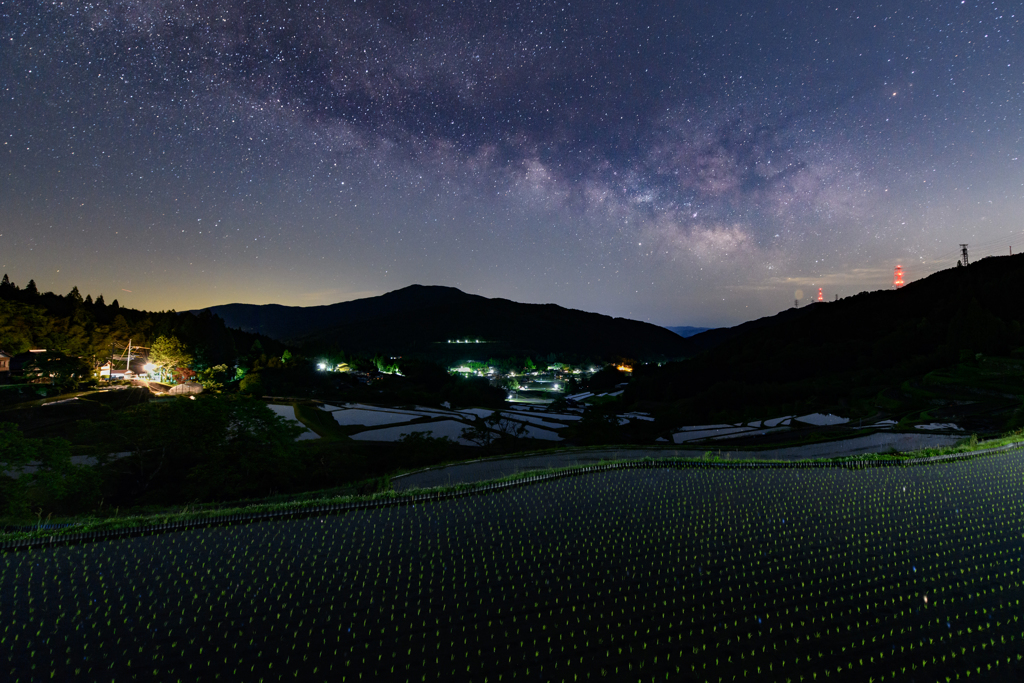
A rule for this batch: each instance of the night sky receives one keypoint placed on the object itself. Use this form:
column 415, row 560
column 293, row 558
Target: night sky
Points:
column 684, row 163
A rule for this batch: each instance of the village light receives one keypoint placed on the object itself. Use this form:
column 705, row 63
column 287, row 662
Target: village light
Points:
column 149, row 367
column 322, row 366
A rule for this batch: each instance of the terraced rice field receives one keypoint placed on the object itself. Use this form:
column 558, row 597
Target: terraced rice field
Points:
column 897, row 573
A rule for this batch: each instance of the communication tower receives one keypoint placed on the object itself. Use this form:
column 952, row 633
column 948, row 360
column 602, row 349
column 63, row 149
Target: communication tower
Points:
column 963, row 252
column 820, row 298
column 897, row 277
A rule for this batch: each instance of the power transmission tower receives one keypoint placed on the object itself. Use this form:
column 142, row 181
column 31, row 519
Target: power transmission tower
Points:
column 963, row 252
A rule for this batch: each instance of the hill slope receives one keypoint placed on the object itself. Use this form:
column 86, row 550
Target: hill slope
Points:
column 422, row 319
column 841, row 354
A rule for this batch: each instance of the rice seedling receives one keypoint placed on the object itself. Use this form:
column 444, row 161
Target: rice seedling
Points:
column 714, row 574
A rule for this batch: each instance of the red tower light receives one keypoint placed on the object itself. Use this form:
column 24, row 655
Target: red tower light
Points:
column 897, row 277
column 819, row 295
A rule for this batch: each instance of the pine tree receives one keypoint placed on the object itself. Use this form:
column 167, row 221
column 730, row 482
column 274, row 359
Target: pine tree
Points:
column 74, row 295
column 114, row 304
column 88, row 299
column 100, row 302
column 30, row 288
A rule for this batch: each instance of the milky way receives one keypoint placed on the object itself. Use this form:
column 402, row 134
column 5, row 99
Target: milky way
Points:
column 683, row 163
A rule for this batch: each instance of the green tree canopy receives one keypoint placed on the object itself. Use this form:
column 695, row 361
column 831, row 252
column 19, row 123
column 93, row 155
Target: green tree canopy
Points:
column 21, row 326
column 168, row 353
column 50, row 484
column 63, row 371
column 251, row 384
column 214, row 448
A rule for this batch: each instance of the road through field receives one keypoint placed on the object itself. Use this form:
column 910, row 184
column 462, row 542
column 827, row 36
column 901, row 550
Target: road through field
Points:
column 484, row 470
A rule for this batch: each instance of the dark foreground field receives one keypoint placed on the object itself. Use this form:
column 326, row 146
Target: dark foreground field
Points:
column 888, row 573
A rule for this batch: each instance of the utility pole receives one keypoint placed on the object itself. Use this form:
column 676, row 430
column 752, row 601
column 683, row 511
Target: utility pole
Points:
column 963, row 252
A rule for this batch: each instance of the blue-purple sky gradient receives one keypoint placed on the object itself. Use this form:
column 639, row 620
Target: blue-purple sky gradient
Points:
column 684, row 163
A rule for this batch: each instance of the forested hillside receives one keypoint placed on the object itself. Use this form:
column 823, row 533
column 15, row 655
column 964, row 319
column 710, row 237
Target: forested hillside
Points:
column 90, row 329
column 853, row 354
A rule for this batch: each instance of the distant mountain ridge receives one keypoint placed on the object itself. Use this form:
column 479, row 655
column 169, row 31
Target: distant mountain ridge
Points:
column 294, row 323
column 422, row 319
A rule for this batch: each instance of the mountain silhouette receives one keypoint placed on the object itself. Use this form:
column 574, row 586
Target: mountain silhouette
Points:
column 437, row 322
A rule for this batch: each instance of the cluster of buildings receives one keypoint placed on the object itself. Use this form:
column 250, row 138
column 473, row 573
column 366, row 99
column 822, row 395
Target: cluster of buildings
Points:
column 540, row 385
column 118, row 368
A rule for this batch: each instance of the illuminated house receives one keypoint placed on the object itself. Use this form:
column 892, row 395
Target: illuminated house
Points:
column 121, row 366
column 5, row 366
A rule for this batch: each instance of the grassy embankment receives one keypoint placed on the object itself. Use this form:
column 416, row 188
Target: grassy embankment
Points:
column 315, row 501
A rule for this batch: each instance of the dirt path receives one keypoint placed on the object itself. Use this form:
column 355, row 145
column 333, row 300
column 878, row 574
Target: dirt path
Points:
column 483, row 470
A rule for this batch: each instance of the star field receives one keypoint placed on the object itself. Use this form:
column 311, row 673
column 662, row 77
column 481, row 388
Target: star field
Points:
column 676, row 162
